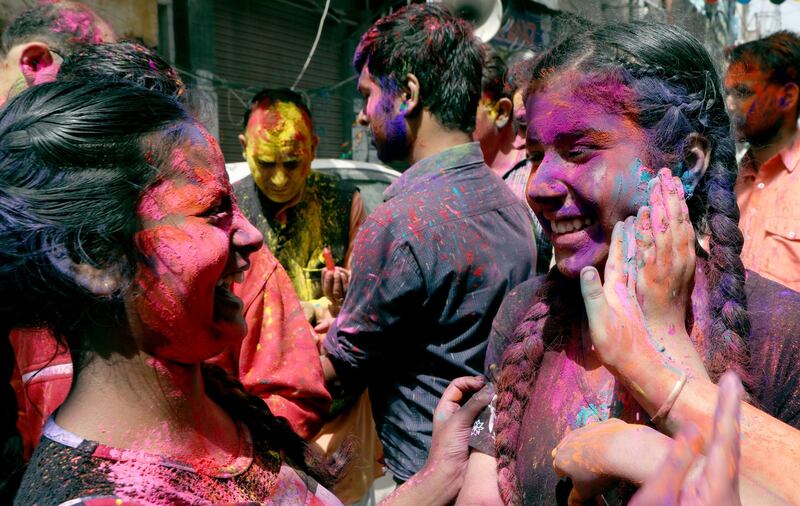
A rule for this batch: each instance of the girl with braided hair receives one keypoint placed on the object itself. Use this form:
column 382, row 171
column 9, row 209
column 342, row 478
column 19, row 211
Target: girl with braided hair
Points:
column 119, row 231
column 644, row 347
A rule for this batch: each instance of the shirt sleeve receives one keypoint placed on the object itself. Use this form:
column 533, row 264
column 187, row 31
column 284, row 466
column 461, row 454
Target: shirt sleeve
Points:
column 358, row 215
column 279, row 359
column 481, row 438
column 512, row 311
column 386, row 284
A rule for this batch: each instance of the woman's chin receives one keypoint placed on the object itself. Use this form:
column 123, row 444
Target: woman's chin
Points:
column 570, row 266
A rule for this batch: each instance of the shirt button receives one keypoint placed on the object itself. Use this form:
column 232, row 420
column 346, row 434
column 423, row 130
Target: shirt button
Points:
column 760, row 186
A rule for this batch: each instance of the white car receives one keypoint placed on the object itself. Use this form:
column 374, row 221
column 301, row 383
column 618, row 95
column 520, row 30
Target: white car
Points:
column 371, row 178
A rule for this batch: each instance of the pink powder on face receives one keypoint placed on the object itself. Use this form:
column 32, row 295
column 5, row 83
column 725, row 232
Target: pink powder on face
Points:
column 175, row 293
column 590, row 164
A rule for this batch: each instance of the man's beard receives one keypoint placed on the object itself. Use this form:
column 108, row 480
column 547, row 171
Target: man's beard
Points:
column 396, row 144
column 763, row 137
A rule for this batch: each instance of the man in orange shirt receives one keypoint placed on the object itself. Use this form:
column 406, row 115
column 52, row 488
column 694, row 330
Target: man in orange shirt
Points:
column 762, row 85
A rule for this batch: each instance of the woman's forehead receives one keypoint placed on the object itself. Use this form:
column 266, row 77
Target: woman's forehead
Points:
column 572, row 102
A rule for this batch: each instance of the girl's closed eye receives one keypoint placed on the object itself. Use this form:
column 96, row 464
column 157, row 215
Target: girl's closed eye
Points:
column 219, row 211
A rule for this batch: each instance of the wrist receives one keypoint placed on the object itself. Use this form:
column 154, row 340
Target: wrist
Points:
column 443, row 477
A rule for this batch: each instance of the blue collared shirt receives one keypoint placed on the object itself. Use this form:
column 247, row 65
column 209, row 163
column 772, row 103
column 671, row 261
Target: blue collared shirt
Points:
column 430, row 268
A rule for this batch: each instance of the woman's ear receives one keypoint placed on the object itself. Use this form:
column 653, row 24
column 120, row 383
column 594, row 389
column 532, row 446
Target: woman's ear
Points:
column 697, row 155
column 103, row 282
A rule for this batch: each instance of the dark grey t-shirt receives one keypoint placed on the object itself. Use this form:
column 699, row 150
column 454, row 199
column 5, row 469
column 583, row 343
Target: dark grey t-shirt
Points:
column 559, row 401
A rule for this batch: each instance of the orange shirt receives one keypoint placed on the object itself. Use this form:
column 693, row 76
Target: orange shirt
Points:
column 769, row 203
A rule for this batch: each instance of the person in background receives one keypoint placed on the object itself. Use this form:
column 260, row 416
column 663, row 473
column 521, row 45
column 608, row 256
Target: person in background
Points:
column 494, row 123
column 35, row 42
column 433, row 262
column 500, row 128
column 299, row 211
column 763, row 97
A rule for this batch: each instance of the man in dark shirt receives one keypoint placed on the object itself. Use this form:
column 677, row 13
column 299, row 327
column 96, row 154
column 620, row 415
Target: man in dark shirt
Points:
column 432, row 264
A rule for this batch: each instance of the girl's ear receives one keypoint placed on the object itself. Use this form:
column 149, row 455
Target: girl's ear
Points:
column 697, row 155
column 103, row 282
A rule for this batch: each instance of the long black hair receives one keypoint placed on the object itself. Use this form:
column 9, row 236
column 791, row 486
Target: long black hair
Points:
column 75, row 158
column 673, row 90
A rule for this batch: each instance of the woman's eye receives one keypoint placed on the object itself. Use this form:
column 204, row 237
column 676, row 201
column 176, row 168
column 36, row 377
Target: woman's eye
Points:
column 536, row 156
column 291, row 165
column 581, row 153
column 218, row 212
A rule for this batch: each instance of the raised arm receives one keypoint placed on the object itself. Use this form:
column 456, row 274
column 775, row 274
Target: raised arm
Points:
column 656, row 359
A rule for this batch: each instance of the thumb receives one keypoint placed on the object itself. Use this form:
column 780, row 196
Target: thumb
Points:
column 467, row 414
column 593, row 296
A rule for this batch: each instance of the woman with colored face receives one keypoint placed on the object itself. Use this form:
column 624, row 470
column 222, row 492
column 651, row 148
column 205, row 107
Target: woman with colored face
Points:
column 119, row 232
column 633, row 173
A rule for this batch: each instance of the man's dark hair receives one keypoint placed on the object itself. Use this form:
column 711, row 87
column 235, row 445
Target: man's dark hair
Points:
column 778, row 55
column 48, row 22
column 277, row 95
column 123, row 61
column 520, row 64
column 427, row 40
column 494, row 75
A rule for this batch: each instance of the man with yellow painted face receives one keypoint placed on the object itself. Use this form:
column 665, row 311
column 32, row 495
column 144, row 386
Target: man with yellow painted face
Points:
column 298, row 210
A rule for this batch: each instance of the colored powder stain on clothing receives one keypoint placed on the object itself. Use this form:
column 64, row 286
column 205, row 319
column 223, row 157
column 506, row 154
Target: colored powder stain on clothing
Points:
column 298, row 234
column 592, row 413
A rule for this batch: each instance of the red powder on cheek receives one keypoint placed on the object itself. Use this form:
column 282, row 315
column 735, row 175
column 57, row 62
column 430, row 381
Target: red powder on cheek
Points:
column 174, row 297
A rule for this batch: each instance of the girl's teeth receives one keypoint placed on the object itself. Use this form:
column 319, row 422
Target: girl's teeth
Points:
column 567, row 226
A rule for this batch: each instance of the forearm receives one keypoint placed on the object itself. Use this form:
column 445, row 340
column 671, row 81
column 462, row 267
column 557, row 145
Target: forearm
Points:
column 770, row 449
column 434, row 485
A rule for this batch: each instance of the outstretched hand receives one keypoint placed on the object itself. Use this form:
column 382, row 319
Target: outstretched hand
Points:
column 718, row 480
column 439, row 481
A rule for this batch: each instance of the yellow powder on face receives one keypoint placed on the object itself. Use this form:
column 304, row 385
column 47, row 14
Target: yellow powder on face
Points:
column 279, row 149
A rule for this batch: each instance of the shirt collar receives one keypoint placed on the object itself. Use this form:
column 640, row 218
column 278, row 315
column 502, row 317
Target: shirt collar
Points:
column 788, row 158
column 435, row 166
column 791, row 155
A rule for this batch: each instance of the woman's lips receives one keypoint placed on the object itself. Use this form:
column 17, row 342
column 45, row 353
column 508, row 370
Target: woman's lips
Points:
column 568, row 225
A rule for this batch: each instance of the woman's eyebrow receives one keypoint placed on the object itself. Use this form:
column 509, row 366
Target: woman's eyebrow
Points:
column 590, row 134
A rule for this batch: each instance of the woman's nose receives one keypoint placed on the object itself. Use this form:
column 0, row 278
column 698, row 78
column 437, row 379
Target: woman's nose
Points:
column 362, row 119
column 546, row 182
column 246, row 237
